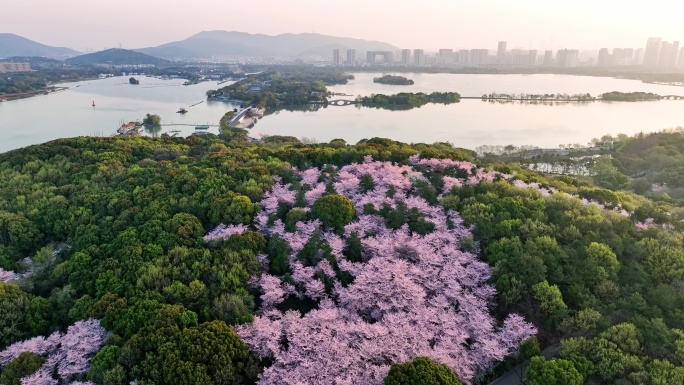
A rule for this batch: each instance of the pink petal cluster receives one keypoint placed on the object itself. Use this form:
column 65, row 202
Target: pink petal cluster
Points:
column 7, row 276
column 412, row 295
column 69, row 353
column 645, row 224
column 10, row 276
column 224, row 231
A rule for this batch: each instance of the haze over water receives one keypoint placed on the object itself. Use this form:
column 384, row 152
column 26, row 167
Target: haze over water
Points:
column 467, row 124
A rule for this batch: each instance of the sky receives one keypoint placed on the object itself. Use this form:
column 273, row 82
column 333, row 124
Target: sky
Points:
column 428, row 24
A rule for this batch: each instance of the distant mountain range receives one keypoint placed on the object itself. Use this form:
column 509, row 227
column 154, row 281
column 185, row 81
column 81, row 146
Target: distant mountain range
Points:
column 116, row 56
column 14, row 45
column 202, row 45
column 224, row 43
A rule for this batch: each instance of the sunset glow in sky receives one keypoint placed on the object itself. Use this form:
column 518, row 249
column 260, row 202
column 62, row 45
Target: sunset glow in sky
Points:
column 429, row 24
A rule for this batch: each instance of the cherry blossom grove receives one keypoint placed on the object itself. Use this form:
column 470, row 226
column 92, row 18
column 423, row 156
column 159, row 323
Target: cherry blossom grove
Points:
column 68, row 353
column 412, row 295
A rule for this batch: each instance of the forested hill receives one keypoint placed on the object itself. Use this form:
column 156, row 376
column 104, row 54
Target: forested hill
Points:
column 116, row 56
column 214, row 260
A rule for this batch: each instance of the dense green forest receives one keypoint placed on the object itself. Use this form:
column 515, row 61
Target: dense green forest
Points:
column 112, row 229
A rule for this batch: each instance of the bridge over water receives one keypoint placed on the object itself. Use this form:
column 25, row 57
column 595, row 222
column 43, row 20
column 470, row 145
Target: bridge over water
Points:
column 341, row 102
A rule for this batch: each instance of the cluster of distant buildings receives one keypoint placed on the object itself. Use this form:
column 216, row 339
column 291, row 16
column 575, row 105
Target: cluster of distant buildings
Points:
column 661, row 53
column 6, row 67
column 463, row 58
column 657, row 54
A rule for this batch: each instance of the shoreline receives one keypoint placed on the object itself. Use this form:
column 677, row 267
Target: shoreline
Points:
column 30, row 94
column 45, row 91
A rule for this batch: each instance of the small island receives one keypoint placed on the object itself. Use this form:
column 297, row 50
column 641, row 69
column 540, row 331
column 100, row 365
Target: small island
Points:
column 393, row 80
column 407, row 100
column 134, row 81
column 616, row 96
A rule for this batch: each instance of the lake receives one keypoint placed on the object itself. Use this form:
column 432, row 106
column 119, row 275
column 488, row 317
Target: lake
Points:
column 467, row 124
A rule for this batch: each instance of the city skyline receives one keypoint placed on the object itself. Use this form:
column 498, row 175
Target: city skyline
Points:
column 529, row 24
column 657, row 53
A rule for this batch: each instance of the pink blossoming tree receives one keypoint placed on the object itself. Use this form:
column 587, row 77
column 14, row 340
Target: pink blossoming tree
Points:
column 410, row 294
column 68, row 354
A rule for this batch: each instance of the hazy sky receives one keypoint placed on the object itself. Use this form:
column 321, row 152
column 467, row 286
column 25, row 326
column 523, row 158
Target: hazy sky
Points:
column 429, row 24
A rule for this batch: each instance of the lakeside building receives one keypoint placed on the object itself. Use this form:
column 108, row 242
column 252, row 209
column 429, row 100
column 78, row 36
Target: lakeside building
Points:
column 623, row 56
column 463, row 57
column 387, row 57
column 652, row 52
column 661, row 53
column 479, row 56
column 567, row 57
column 665, row 54
column 337, row 57
column 406, row 57
column 418, row 57
column 619, row 57
column 674, row 53
column 604, row 58
column 501, row 52
column 681, row 57
column 351, row 57
column 446, row 56
column 533, row 57
column 7, row 67
column 638, row 56
column 548, row 58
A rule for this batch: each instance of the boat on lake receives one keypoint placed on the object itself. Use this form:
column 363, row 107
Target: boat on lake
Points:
column 182, row 111
column 202, row 127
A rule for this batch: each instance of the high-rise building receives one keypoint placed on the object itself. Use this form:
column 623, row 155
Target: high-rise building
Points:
column 387, row 57
column 351, row 57
column 518, row 57
column 464, row 57
column 681, row 57
column 627, row 56
column 14, row 67
column 418, row 57
column 501, row 53
column 548, row 58
column 638, row 56
column 567, row 57
column 652, row 52
column 603, row 58
column 446, row 56
column 406, row 57
column 337, row 57
column 478, row 56
column 532, row 54
column 620, row 57
column 674, row 54
column 665, row 54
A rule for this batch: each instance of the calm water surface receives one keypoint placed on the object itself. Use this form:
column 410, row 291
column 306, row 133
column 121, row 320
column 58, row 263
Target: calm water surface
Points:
column 468, row 124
